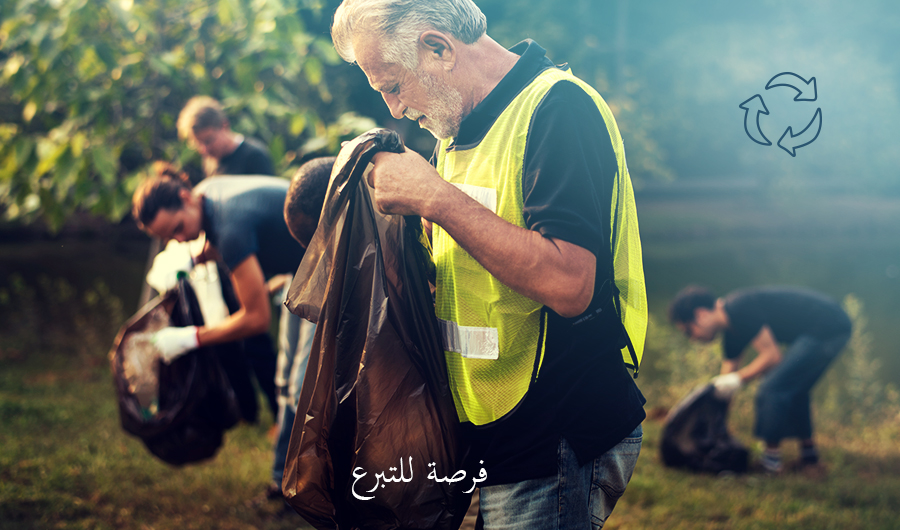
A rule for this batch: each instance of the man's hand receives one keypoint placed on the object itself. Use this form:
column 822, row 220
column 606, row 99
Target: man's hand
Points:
column 553, row 272
column 173, row 342
column 726, row 385
column 405, row 183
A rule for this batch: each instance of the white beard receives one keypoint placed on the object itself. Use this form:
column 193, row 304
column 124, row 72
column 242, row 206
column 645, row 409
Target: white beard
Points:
column 445, row 113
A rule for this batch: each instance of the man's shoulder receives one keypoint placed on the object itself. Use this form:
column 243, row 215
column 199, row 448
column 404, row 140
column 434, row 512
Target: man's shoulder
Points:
column 767, row 293
column 568, row 96
column 250, row 158
column 252, row 145
column 569, row 114
column 228, row 186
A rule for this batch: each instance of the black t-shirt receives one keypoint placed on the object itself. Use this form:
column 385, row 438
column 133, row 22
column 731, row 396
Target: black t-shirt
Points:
column 583, row 391
column 788, row 311
column 244, row 216
column 250, row 158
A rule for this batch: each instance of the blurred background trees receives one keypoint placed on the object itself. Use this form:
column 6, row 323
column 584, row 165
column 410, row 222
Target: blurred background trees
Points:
column 90, row 89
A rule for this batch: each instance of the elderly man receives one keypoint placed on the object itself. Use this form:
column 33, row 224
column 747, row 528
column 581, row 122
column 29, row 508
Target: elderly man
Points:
column 518, row 206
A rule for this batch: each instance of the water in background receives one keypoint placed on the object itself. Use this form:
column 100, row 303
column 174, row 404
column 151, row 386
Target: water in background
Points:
column 835, row 244
column 722, row 238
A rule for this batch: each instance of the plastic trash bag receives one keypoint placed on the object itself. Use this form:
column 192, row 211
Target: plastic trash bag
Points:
column 695, row 435
column 217, row 300
column 205, row 280
column 215, row 294
column 181, row 419
column 374, row 444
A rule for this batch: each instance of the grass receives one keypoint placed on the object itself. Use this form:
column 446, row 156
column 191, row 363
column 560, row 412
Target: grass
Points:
column 66, row 463
column 861, row 491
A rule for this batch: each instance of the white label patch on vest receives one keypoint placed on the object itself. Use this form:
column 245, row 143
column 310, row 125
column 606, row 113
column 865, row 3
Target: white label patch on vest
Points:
column 486, row 197
column 469, row 341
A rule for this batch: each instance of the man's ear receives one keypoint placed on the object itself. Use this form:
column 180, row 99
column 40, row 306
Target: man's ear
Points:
column 439, row 47
column 698, row 314
column 186, row 196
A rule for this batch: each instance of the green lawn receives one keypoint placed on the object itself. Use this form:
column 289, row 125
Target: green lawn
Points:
column 66, row 463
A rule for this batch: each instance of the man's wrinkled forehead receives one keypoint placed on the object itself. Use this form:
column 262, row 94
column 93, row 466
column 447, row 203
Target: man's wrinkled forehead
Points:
column 370, row 59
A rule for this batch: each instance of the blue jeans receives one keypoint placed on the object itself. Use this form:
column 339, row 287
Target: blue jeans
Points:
column 294, row 342
column 577, row 498
column 782, row 401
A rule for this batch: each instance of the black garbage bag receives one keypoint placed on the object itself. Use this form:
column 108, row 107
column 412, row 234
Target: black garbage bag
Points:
column 235, row 361
column 375, row 437
column 695, row 435
column 179, row 410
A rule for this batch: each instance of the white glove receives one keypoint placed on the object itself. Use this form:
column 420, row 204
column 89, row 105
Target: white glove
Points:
column 174, row 342
column 726, row 385
column 163, row 275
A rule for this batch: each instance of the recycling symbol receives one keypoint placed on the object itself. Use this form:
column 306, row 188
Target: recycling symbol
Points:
column 790, row 142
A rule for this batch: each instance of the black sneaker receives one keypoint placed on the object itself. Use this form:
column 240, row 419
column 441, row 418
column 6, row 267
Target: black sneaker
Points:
column 273, row 491
column 809, row 456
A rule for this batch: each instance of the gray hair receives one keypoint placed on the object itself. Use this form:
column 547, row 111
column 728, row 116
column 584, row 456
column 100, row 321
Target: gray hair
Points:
column 397, row 24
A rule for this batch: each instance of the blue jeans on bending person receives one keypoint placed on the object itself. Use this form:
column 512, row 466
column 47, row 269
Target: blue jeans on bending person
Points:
column 782, row 401
column 577, row 498
column 294, row 343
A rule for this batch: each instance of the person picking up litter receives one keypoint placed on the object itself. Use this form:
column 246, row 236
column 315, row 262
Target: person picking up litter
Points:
column 814, row 327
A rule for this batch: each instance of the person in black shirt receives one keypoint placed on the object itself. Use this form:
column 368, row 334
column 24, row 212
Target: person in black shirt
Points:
column 518, row 207
column 203, row 123
column 816, row 330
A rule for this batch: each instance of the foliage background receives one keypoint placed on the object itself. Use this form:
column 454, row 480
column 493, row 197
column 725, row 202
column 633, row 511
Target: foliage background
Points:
column 90, row 90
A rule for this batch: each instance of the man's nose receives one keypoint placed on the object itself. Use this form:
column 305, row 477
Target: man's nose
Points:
column 394, row 105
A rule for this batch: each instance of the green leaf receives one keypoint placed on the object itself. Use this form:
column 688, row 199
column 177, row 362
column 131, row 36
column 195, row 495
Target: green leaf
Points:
column 313, row 70
column 90, row 65
column 276, row 147
column 325, row 49
column 24, row 150
column 104, row 162
column 29, row 111
column 198, row 71
column 298, row 123
column 13, row 63
column 160, row 67
column 8, row 167
column 49, row 158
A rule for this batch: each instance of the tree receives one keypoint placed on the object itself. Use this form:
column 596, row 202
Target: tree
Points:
column 95, row 86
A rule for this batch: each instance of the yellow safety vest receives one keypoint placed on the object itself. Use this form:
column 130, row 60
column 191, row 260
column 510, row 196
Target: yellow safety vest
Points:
column 494, row 338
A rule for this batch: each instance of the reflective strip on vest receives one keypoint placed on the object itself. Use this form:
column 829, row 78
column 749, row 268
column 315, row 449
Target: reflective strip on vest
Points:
column 469, row 341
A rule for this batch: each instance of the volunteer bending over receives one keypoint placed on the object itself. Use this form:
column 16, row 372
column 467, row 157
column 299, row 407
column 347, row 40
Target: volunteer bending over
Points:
column 242, row 220
column 816, row 330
